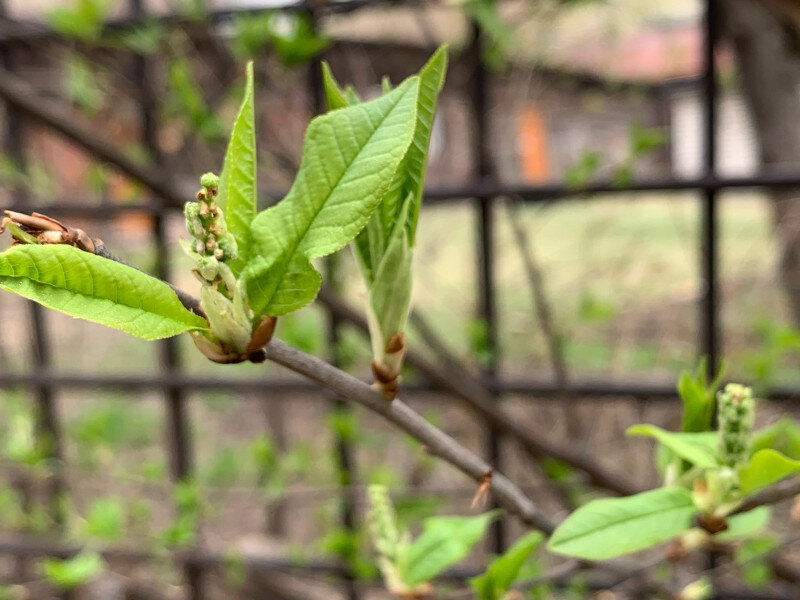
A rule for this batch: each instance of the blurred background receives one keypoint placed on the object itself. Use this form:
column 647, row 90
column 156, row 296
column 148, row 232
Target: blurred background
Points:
column 611, row 197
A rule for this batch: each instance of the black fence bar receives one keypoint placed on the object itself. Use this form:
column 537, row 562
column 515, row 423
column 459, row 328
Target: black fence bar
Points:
column 482, row 194
column 178, row 440
column 487, row 310
column 343, row 450
column 491, row 191
column 599, row 389
column 49, row 431
column 709, row 337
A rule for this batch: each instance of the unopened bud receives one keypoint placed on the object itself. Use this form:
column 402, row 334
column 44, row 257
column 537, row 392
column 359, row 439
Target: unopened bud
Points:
column 208, row 267
column 193, row 224
column 228, row 246
column 210, row 181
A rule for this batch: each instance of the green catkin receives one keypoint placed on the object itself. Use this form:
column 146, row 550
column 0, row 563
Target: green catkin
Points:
column 736, row 414
column 383, row 522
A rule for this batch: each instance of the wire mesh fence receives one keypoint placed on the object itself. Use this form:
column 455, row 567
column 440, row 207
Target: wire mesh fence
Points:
column 484, row 193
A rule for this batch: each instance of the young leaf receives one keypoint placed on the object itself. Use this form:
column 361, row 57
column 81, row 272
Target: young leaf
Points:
column 68, row 574
column 698, row 398
column 411, row 174
column 697, row 448
column 90, row 287
column 745, row 524
column 611, row 527
column 783, row 436
column 390, row 292
column 349, row 159
column 237, row 195
column 334, row 96
column 504, row 570
column 444, row 542
column 764, row 468
column 410, row 177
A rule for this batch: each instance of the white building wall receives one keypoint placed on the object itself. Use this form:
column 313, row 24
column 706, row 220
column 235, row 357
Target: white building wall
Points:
column 737, row 147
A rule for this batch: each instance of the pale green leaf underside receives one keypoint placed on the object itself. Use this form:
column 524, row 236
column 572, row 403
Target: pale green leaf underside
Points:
column 614, row 526
column 444, row 542
column 237, row 185
column 89, row 287
column 390, row 292
column 349, row 158
column 697, row 448
column 765, row 468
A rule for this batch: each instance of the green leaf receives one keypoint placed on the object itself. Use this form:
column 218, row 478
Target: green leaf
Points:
column 294, row 40
column 504, row 570
column 783, row 436
column 82, row 20
column 410, row 177
column 237, row 195
column 90, row 287
column 764, row 468
column 698, row 398
column 611, row 527
column 71, row 573
column 106, row 520
column 444, row 542
column 697, row 448
column 185, row 101
column 349, row 159
column 334, row 96
column 746, row 524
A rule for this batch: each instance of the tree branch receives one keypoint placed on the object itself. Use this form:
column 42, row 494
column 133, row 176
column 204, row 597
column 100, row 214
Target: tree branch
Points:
column 772, row 495
column 436, row 442
column 462, row 383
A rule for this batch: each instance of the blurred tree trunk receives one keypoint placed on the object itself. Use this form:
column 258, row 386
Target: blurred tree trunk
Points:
column 765, row 35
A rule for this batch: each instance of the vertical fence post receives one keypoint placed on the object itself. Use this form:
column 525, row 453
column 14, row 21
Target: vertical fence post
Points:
column 177, row 431
column 342, row 448
column 48, row 427
column 709, row 337
column 487, row 312
column 708, row 230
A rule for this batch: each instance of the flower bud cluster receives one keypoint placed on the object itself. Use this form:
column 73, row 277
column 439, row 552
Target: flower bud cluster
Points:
column 736, row 414
column 211, row 242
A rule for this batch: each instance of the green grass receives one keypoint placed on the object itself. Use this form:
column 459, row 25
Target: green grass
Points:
column 622, row 275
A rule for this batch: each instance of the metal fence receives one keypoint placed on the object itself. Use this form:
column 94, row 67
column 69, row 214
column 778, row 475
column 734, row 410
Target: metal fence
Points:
column 483, row 192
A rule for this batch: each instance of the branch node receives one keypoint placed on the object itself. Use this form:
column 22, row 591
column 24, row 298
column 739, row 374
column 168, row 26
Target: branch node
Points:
column 484, row 487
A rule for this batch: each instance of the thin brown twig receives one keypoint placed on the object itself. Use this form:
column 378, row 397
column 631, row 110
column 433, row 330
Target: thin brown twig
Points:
column 777, row 493
column 544, row 311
